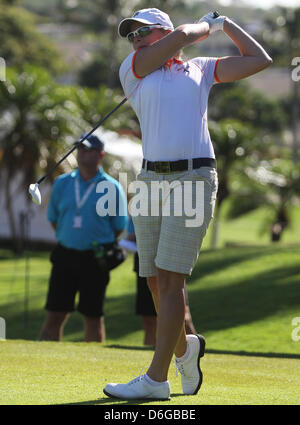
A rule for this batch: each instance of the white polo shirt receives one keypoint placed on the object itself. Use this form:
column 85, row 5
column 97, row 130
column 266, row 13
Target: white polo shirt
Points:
column 171, row 105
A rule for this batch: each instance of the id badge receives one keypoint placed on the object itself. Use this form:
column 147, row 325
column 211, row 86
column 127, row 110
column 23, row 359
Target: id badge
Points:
column 77, row 223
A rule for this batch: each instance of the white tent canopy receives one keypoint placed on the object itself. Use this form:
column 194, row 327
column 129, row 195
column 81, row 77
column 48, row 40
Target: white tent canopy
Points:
column 122, row 146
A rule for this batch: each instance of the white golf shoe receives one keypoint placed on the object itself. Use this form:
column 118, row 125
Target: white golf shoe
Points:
column 191, row 375
column 139, row 388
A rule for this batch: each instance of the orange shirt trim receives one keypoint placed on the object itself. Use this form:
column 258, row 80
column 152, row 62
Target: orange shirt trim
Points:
column 215, row 71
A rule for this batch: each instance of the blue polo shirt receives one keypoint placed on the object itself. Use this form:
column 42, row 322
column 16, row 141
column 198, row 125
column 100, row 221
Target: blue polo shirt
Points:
column 130, row 226
column 62, row 210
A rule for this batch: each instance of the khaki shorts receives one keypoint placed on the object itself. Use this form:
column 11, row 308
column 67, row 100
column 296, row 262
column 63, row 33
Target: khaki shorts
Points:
column 168, row 236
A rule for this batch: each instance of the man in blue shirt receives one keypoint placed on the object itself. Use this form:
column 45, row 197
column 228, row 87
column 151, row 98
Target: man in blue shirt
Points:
column 82, row 222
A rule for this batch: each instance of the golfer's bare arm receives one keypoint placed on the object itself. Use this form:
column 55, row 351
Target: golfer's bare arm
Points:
column 252, row 60
column 150, row 58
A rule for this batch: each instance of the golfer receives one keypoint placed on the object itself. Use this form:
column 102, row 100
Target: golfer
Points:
column 169, row 96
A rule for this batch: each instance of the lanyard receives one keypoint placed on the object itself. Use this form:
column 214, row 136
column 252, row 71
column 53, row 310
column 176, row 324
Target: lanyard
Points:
column 82, row 201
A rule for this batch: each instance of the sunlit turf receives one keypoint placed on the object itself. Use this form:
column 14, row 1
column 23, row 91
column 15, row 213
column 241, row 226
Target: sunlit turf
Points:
column 75, row 373
column 243, row 299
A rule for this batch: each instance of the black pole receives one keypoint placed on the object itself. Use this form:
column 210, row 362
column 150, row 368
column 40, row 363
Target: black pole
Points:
column 25, row 232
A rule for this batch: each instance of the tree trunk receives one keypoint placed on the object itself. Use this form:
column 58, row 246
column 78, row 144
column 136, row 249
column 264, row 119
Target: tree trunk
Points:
column 281, row 223
column 113, row 8
column 112, row 60
column 11, row 218
column 294, row 114
column 215, row 227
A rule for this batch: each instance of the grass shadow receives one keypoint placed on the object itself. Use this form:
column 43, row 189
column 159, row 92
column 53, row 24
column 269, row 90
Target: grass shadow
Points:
column 120, row 321
column 130, row 347
column 248, row 300
column 254, row 354
column 221, row 259
column 107, row 400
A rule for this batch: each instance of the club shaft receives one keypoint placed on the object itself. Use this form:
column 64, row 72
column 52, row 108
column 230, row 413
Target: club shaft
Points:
column 57, row 164
column 81, row 140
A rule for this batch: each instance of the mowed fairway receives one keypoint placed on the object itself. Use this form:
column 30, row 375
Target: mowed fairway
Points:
column 243, row 299
column 33, row 373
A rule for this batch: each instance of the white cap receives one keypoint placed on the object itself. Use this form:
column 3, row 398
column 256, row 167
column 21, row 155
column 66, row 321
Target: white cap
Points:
column 145, row 16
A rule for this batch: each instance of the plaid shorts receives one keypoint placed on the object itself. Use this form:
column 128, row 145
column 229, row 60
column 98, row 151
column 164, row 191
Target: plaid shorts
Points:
column 168, row 235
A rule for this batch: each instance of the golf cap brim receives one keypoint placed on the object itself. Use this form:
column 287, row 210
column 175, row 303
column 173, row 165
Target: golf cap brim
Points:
column 124, row 27
column 151, row 16
column 92, row 142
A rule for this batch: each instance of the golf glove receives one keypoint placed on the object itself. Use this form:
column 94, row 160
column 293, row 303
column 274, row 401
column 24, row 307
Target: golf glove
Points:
column 215, row 24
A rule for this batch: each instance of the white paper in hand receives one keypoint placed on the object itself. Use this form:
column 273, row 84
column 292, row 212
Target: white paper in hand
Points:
column 129, row 245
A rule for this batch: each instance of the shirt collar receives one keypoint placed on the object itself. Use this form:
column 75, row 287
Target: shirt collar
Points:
column 98, row 176
column 171, row 61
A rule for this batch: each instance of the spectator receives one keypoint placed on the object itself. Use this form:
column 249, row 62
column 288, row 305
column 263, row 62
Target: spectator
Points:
column 81, row 233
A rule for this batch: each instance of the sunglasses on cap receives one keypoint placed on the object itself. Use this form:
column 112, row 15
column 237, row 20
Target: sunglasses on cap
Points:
column 142, row 32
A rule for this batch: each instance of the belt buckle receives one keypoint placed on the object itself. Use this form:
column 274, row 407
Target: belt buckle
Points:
column 162, row 167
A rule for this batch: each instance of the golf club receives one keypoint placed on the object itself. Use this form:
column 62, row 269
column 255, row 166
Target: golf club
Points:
column 34, row 187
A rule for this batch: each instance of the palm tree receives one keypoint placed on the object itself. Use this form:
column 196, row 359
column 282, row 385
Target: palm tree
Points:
column 284, row 36
column 21, row 42
column 233, row 141
column 274, row 184
column 36, row 116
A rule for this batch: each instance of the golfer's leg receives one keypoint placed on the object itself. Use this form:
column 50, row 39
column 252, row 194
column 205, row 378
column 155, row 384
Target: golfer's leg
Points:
column 180, row 348
column 152, row 285
column 94, row 329
column 188, row 321
column 170, row 322
column 52, row 329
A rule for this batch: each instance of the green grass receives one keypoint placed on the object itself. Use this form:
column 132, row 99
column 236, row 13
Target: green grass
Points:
column 250, row 228
column 75, row 373
column 242, row 298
